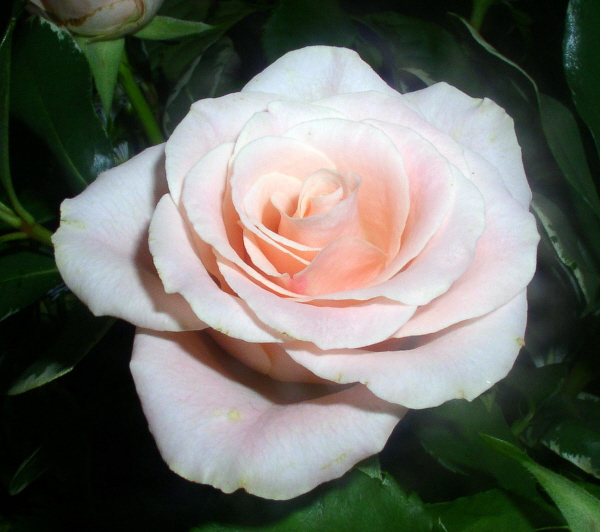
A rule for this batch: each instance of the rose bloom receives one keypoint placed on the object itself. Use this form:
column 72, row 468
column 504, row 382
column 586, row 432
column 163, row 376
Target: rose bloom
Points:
column 305, row 260
column 100, row 18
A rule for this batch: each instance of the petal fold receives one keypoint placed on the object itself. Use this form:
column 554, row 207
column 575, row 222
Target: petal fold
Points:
column 218, row 422
column 102, row 250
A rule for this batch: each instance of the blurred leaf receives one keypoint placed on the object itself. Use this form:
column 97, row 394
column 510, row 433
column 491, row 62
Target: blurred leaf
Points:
column 163, row 28
column 557, row 228
column 51, row 93
column 537, row 384
column 484, row 512
column 210, row 75
column 581, row 59
column 358, row 500
column 80, row 334
column 298, row 23
column 571, row 428
column 195, row 10
column 31, row 469
column 104, row 58
column 563, row 136
column 25, row 276
column 5, row 68
column 580, row 509
column 450, row 433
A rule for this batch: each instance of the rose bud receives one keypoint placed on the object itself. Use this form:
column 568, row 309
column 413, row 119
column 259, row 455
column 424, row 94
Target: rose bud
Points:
column 100, row 18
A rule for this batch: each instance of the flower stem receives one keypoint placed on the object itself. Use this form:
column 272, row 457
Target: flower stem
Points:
column 480, row 8
column 139, row 103
column 28, row 228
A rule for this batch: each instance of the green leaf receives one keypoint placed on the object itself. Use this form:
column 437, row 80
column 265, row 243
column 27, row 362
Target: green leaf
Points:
column 571, row 428
column 31, row 469
column 299, row 23
column 557, row 230
column 51, row 93
column 581, row 59
column 5, row 81
column 580, row 509
column 163, row 28
column 450, row 433
column 565, row 142
column 104, row 58
column 210, row 75
column 365, row 501
column 25, row 276
column 484, row 512
column 80, row 334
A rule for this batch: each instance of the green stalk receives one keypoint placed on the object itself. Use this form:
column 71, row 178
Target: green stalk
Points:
column 480, row 8
column 139, row 103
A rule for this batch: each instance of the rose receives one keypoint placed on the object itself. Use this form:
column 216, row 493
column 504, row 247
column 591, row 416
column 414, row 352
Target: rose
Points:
column 100, row 18
column 359, row 250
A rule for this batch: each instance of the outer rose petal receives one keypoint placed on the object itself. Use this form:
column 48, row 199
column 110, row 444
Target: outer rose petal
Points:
column 209, row 123
column 102, row 250
column 317, row 72
column 480, row 125
column 462, row 361
column 182, row 271
column 219, row 423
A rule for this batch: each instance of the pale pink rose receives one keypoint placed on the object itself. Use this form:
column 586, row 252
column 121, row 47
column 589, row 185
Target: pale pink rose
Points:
column 305, row 260
column 100, row 18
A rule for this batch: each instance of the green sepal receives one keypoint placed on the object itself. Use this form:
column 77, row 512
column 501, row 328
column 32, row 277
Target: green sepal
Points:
column 104, row 58
column 166, row 28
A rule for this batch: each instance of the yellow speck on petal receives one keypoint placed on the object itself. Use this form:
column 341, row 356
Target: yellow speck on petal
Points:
column 338, row 377
column 461, row 394
column 520, row 341
column 234, row 415
column 337, row 460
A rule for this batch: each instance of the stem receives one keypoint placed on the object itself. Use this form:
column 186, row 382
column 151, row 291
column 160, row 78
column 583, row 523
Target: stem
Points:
column 39, row 233
column 480, row 8
column 8, row 215
column 25, row 228
column 139, row 103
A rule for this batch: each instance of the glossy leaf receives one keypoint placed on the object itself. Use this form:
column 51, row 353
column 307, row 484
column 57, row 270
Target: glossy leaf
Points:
column 360, row 500
column 80, row 334
column 558, row 231
column 483, row 512
column 581, row 59
column 572, row 430
column 25, row 276
column 210, row 75
column 299, row 23
column 31, row 469
column 580, row 509
column 565, row 142
column 51, row 92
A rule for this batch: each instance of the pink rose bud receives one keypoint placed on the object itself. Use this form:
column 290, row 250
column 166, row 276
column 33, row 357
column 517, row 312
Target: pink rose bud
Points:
column 100, row 18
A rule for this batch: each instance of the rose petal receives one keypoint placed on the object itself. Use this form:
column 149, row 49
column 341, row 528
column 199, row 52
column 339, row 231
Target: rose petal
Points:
column 217, row 422
column 102, row 251
column 460, row 362
column 317, row 72
column 383, row 197
column 279, row 117
column 480, row 125
column 345, row 264
column 182, row 272
column 506, row 252
column 209, row 123
column 330, row 325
